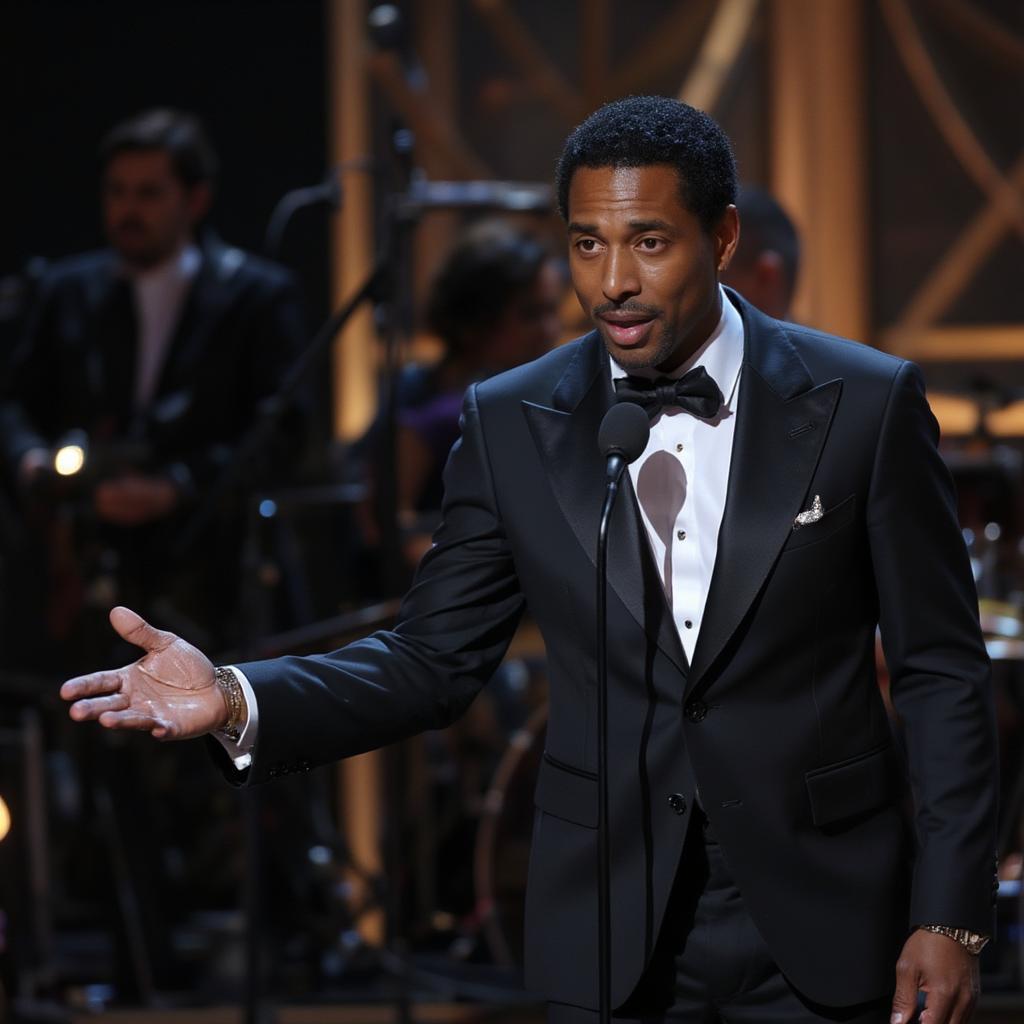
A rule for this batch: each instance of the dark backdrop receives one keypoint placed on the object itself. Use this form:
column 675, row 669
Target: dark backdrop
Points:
column 254, row 70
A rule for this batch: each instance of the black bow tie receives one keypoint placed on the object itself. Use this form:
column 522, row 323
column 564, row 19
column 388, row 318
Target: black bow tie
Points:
column 696, row 393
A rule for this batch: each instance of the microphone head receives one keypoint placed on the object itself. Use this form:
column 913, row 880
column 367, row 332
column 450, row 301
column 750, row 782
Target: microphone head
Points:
column 624, row 431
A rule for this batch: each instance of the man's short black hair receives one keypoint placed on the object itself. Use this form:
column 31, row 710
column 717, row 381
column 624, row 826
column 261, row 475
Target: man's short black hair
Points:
column 178, row 134
column 766, row 227
column 640, row 131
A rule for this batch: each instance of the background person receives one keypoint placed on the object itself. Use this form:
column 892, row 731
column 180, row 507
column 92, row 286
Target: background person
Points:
column 493, row 304
column 155, row 355
column 767, row 261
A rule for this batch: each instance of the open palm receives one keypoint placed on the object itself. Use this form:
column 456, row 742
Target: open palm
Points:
column 170, row 692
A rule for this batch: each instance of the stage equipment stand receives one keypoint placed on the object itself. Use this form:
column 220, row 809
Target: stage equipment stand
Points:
column 384, row 287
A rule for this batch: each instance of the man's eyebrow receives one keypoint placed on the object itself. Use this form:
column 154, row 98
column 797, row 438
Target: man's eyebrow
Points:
column 650, row 225
column 576, row 228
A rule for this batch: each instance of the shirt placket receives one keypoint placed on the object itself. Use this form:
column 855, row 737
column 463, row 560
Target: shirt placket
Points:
column 685, row 548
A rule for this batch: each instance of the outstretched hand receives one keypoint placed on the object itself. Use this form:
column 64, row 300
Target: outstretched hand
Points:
column 170, row 692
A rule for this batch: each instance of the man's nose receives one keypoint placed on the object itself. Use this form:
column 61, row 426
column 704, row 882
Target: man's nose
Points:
column 620, row 281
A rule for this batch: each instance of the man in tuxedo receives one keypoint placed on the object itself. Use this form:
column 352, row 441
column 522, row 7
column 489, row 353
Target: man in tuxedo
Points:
column 153, row 355
column 791, row 499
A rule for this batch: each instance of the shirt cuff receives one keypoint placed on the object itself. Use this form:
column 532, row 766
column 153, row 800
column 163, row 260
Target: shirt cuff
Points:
column 240, row 752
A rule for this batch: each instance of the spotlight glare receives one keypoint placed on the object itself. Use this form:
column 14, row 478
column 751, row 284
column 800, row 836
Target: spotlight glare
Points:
column 5, row 820
column 69, row 460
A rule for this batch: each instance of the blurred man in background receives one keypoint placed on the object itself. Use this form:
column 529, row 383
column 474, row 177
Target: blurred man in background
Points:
column 150, row 359
column 142, row 368
column 767, row 262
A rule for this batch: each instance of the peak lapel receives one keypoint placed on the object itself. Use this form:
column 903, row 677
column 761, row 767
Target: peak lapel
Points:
column 781, row 426
column 566, row 439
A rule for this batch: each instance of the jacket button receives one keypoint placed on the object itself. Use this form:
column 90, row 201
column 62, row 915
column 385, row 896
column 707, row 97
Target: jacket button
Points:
column 678, row 803
column 696, row 710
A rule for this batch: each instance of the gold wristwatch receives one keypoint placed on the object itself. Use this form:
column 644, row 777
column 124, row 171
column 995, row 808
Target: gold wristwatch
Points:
column 234, row 700
column 971, row 941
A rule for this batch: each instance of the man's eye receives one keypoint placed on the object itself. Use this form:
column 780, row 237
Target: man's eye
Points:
column 652, row 244
column 586, row 245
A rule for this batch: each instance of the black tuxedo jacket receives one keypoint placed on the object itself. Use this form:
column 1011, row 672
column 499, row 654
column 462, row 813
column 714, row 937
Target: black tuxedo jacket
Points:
column 777, row 727
column 240, row 327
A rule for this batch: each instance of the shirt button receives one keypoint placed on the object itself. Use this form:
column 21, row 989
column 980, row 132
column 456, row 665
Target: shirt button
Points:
column 688, row 623
column 680, row 535
column 679, row 447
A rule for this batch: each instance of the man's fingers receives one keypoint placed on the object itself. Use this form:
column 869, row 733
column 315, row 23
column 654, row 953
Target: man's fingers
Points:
column 93, row 685
column 87, row 710
column 963, row 1010
column 961, row 1005
column 904, row 1001
column 136, row 630
column 938, row 1007
column 129, row 719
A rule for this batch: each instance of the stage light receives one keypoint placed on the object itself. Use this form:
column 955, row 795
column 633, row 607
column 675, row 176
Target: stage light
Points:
column 5, row 820
column 69, row 460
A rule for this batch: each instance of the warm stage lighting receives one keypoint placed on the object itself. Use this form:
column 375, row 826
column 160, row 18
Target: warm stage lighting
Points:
column 5, row 819
column 69, row 460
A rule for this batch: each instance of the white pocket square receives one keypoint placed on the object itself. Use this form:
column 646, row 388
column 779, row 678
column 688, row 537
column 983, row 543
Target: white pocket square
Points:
column 812, row 515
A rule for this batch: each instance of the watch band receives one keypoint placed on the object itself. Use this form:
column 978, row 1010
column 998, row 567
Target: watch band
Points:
column 971, row 941
column 234, row 700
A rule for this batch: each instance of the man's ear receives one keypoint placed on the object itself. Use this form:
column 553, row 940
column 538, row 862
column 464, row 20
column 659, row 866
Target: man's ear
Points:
column 727, row 236
column 199, row 199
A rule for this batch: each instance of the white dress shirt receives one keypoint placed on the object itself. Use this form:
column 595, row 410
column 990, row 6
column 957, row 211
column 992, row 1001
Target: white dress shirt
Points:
column 160, row 294
column 680, row 482
column 682, row 478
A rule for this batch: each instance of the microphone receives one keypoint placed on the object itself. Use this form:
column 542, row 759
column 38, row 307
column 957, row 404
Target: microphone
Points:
column 622, row 438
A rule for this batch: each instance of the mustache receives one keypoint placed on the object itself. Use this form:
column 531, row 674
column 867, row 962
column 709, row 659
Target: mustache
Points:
column 129, row 224
column 640, row 308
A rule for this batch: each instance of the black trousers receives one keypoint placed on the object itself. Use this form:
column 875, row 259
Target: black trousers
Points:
column 711, row 965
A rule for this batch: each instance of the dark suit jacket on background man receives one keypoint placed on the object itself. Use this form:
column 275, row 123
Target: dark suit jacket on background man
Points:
column 240, row 327
column 777, row 728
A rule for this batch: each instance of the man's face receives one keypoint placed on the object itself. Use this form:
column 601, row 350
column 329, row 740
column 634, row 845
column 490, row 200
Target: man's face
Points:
column 148, row 213
column 643, row 267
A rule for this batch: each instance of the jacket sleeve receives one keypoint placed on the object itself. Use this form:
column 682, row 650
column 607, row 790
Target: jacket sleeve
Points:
column 939, row 668
column 452, row 632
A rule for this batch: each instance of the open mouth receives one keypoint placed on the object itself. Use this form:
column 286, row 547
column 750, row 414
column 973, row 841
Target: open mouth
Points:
column 628, row 330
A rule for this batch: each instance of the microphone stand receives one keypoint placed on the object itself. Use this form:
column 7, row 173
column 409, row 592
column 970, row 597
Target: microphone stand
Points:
column 615, row 466
column 328, row 192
